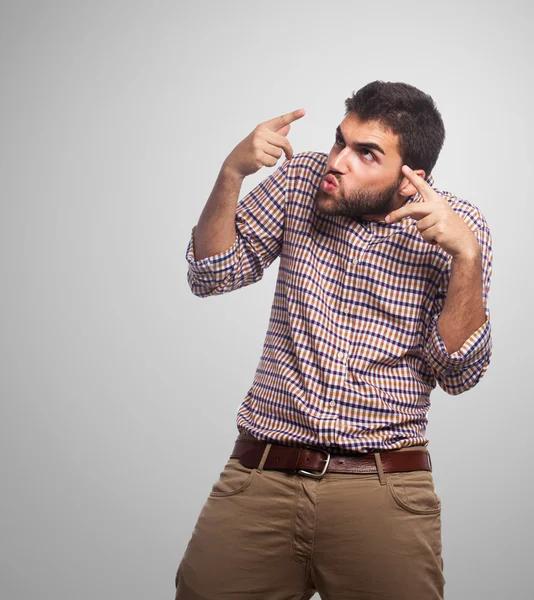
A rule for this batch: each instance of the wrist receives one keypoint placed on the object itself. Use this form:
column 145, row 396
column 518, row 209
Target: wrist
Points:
column 469, row 254
column 229, row 172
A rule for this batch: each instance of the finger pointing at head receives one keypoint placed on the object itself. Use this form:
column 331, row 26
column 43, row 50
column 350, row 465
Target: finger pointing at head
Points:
column 419, row 183
column 279, row 122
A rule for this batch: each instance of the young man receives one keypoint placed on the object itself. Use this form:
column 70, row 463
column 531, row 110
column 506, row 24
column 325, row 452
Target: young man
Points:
column 382, row 292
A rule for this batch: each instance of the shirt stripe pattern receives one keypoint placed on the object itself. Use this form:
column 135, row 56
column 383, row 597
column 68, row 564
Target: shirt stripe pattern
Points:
column 352, row 349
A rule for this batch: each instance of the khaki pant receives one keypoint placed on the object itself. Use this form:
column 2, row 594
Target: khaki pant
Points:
column 272, row 535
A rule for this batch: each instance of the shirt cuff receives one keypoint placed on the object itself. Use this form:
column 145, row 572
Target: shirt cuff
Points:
column 211, row 265
column 475, row 348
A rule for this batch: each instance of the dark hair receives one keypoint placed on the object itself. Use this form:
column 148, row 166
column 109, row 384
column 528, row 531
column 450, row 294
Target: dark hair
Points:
column 407, row 112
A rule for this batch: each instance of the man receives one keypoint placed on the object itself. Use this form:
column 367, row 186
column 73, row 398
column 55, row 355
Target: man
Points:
column 381, row 293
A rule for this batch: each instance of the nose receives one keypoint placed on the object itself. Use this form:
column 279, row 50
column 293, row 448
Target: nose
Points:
column 338, row 161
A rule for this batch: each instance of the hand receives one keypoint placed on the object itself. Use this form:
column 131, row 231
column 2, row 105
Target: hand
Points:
column 436, row 220
column 263, row 146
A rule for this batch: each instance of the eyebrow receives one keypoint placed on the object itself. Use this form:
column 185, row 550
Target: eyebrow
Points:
column 360, row 145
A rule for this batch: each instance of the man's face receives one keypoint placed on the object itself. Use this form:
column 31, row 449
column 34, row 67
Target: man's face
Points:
column 366, row 165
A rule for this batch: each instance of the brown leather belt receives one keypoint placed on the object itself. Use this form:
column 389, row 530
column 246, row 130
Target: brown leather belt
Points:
column 315, row 462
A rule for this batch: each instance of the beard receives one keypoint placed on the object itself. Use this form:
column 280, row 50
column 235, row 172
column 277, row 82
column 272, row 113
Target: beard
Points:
column 358, row 203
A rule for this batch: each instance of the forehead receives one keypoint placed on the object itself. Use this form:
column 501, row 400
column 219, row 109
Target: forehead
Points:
column 355, row 130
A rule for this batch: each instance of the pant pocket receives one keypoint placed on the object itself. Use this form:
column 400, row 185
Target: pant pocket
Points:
column 235, row 478
column 414, row 491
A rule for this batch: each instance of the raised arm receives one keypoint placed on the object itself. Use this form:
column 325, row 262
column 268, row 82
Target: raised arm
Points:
column 458, row 343
column 215, row 231
column 234, row 242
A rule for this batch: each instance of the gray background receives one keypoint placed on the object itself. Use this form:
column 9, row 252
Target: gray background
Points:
column 119, row 388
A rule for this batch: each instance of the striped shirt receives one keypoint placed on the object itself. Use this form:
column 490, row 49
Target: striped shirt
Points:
column 352, row 350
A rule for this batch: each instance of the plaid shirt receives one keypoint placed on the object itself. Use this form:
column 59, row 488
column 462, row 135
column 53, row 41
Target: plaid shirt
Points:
column 352, row 350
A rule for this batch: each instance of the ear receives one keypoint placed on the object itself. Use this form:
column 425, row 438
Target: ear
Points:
column 407, row 188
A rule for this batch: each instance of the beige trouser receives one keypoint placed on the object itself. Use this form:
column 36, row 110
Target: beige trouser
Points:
column 273, row 535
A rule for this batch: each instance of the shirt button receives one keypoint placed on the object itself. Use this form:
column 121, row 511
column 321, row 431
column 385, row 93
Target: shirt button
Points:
column 341, row 355
column 354, row 261
column 332, row 403
column 327, row 443
column 346, row 311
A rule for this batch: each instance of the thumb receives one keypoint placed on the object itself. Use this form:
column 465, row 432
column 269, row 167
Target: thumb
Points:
column 284, row 130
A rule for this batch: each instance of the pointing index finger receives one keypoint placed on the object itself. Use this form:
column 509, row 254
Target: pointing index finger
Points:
column 419, row 183
column 279, row 122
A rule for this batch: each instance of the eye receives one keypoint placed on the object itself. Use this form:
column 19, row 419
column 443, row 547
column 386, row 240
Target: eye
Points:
column 369, row 153
column 339, row 141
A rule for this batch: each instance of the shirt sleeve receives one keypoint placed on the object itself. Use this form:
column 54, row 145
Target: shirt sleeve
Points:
column 259, row 224
column 461, row 370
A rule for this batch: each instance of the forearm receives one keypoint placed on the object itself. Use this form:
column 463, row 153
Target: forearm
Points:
column 463, row 312
column 215, row 231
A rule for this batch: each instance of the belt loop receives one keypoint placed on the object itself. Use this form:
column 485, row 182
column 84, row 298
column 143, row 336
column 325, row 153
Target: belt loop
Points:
column 379, row 468
column 264, row 458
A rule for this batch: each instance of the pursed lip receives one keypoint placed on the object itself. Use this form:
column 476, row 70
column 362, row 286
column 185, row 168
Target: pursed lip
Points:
column 331, row 179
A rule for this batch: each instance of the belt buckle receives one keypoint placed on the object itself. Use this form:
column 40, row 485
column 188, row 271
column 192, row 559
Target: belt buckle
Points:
column 311, row 473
